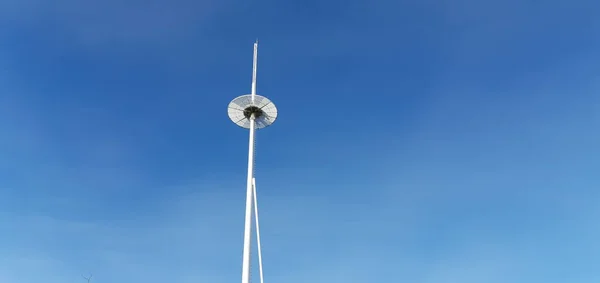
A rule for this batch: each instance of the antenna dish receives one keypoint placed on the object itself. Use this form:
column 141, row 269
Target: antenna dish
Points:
column 241, row 108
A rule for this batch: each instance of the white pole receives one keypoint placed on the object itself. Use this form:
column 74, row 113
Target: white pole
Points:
column 254, row 67
column 248, row 222
column 260, row 265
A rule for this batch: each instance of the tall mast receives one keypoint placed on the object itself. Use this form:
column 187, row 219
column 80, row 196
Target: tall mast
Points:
column 253, row 112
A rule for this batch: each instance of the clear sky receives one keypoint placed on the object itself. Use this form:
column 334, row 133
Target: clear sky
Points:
column 418, row 141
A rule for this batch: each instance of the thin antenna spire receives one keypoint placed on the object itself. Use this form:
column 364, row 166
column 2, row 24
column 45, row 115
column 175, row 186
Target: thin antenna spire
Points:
column 254, row 67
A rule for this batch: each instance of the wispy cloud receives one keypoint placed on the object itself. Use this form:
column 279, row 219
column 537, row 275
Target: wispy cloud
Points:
column 103, row 23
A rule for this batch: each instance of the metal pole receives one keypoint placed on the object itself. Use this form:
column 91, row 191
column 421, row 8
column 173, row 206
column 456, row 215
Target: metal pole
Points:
column 260, row 265
column 254, row 67
column 248, row 222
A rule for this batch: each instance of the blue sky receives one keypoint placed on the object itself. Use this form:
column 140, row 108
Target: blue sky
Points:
column 427, row 141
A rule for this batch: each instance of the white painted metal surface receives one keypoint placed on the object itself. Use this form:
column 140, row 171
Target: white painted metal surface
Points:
column 251, row 111
column 260, row 266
